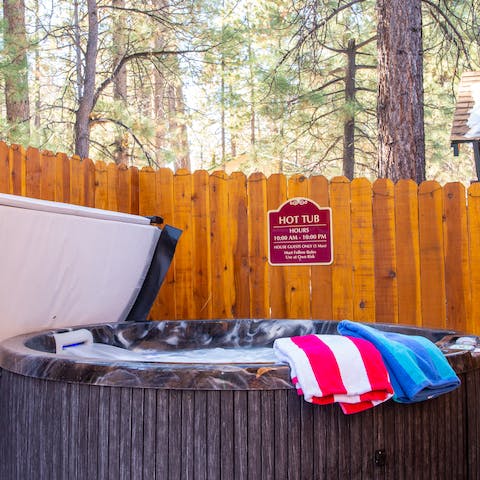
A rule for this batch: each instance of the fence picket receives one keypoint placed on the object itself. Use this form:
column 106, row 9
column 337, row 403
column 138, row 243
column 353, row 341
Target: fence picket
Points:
column 457, row 268
column 33, row 173
column 48, row 175
column 342, row 280
column 166, row 304
column 62, row 178
column 430, row 214
column 17, row 169
column 362, row 250
column 321, row 275
column 298, row 279
column 276, row 196
column 4, row 168
column 237, row 202
column 202, row 252
column 101, row 185
column 223, row 295
column 182, row 188
column 386, row 291
column 257, row 246
column 474, row 254
column 408, row 253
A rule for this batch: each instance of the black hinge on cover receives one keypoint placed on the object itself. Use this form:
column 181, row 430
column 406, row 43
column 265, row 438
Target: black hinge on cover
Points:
column 155, row 219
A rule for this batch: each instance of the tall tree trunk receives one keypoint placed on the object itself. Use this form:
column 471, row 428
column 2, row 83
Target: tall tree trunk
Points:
column 177, row 126
column 120, row 80
column 349, row 121
column 183, row 146
column 16, row 75
column 37, row 75
column 86, row 102
column 401, row 149
column 223, row 126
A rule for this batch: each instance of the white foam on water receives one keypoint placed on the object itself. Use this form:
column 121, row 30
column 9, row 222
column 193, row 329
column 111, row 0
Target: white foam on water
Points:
column 239, row 355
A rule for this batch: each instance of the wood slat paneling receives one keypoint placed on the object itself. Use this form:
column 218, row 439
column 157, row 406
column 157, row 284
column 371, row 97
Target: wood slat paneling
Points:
column 55, row 430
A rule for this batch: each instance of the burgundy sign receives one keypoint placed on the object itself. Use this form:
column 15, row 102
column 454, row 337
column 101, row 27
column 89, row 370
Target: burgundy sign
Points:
column 300, row 233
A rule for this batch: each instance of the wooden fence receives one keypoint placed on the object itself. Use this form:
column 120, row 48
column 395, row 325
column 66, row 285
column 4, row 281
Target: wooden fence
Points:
column 402, row 253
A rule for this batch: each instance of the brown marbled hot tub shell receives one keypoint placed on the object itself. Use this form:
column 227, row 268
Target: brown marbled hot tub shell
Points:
column 73, row 418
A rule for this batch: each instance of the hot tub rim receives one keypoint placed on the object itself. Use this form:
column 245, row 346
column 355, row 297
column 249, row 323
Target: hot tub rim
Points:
column 18, row 358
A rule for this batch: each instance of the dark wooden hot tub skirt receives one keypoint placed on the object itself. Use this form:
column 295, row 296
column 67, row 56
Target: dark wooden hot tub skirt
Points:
column 53, row 430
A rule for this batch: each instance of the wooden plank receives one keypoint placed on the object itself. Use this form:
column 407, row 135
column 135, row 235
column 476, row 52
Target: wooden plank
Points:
column 182, row 185
column 149, row 438
column 276, row 196
column 362, row 251
column 223, row 296
column 408, row 253
column 268, row 432
column 163, row 446
column 457, row 265
column 474, row 254
column 101, row 185
column 4, row 168
column 258, row 246
column 125, row 457
column 294, row 437
column 342, row 278
column 62, row 178
column 227, row 446
column 147, row 192
column 386, row 291
column 321, row 275
column 48, row 167
column 124, row 189
column 298, row 277
column 214, row 460
column 103, row 433
column 237, row 203
column 91, row 394
column 430, row 215
column 112, row 187
column 165, row 304
column 201, row 245
column 134, row 190
column 33, row 173
column 254, row 434
column 77, row 191
column 240, row 429
column 89, row 182
column 17, row 168
column 200, row 434
column 139, row 450
column 282, row 428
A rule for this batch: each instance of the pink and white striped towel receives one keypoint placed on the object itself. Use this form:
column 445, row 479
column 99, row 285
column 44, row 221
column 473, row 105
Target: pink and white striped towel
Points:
column 336, row 368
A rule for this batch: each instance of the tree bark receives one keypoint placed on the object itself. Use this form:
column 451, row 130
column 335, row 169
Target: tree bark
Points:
column 349, row 121
column 86, row 102
column 401, row 137
column 16, row 75
column 120, row 80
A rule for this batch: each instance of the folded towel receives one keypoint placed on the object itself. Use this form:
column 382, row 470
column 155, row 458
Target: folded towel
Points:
column 332, row 368
column 418, row 369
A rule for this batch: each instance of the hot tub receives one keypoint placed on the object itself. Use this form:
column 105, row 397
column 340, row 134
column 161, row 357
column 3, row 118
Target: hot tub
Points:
column 93, row 418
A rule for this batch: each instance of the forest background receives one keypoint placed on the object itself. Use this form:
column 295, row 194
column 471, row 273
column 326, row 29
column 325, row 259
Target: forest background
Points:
column 266, row 85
